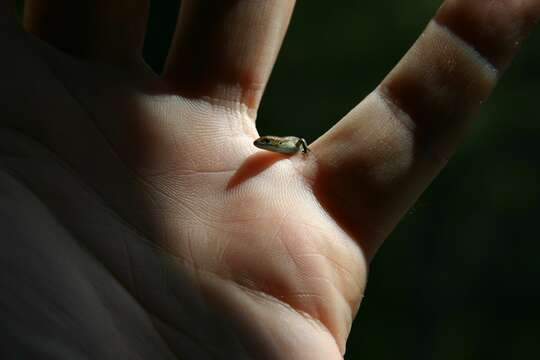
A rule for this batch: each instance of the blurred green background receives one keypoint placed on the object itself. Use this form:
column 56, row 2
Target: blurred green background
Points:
column 459, row 277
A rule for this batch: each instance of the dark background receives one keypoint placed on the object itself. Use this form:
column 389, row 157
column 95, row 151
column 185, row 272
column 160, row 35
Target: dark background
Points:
column 458, row 278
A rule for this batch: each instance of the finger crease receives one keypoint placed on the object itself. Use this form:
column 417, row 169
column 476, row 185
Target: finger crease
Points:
column 474, row 53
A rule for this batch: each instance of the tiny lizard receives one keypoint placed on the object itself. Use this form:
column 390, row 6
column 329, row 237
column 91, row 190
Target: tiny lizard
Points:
column 282, row 144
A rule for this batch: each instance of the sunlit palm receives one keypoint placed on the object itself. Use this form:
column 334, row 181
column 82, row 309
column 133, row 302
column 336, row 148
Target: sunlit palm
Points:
column 171, row 226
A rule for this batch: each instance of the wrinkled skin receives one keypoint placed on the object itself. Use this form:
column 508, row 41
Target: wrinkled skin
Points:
column 139, row 221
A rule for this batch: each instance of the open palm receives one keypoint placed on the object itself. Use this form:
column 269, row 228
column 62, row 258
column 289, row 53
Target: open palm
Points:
column 148, row 223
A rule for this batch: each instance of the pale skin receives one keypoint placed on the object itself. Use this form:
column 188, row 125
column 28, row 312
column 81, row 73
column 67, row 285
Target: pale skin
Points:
column 139, row 221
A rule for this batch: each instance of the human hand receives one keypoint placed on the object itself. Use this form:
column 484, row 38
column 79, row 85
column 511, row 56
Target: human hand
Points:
column 201, row 244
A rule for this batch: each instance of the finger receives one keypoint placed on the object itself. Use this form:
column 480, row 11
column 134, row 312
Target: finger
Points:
column 226, row 49
column 111, row 31
column 377, row 160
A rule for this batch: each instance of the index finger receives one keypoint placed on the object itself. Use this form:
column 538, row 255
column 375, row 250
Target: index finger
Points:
column 376, row 161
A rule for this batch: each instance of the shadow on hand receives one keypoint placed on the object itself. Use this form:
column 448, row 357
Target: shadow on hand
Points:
column 252, row 166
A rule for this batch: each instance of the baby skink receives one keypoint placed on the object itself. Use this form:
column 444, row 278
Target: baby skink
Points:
column 282, row 144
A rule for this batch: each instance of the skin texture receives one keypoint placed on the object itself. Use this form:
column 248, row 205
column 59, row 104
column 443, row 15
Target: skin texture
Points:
column 129, row 236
